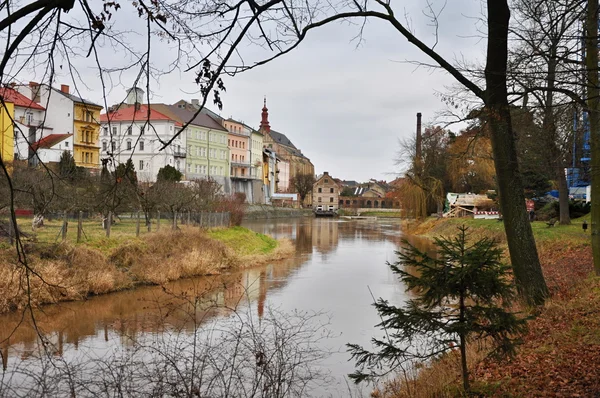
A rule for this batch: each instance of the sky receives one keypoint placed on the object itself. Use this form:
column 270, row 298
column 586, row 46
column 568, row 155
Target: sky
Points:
column 344, row 104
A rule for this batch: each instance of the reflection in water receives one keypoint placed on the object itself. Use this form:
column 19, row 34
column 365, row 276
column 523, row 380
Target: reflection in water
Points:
column 335, row 265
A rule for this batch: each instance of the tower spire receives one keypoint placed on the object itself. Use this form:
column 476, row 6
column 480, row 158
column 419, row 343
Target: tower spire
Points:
column 264, row 122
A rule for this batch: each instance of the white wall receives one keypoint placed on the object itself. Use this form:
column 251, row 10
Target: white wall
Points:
column 150, row 157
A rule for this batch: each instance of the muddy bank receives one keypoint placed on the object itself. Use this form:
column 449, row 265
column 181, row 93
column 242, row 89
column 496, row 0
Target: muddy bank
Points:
column 65, row 272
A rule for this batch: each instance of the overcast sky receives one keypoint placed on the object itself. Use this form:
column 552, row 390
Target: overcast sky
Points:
column 345, row 107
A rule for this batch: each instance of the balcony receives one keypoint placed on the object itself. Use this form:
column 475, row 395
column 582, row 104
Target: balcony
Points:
column 180, row 154
column 236, row 163
column 30, row 122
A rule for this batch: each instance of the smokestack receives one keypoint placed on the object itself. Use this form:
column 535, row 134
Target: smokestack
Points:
column 418, row 140
column 64, row 88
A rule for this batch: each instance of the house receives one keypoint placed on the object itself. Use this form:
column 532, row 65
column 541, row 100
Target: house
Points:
column 139, row 132
column 325, row 194
column 28, row 125
column 72, row 115
column 7, row 141
column 206, row 154
column 287, row 151
column 50, row 148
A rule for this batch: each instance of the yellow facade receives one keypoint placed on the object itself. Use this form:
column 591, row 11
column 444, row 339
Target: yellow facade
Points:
column 7, row 135
column 86, row 128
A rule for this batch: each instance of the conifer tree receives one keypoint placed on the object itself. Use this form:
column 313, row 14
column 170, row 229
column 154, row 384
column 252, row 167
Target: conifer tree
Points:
column 463, row 295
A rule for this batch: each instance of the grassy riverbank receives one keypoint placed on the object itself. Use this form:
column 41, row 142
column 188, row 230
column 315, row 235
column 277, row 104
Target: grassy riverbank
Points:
column 67, row 271
column 560, row 355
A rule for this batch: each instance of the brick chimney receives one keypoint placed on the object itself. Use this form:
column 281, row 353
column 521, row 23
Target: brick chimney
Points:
column 64, row 88
column 419, row 139
column 264, row 123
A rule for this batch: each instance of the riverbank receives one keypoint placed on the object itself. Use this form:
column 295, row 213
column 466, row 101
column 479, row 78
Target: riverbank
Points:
column 261, row 212
column 560, row 355
column 66, row 271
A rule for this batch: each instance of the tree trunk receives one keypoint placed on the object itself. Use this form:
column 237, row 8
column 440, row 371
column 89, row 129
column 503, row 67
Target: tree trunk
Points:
column 549, row 131
column 591, row 44
column 463, row 347
column 521, row 244
column 563, row 194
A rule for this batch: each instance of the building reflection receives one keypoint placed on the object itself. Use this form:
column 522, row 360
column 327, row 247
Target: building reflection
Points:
column 185, row 305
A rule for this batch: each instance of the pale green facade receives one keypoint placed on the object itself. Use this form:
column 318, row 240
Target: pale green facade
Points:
column 207, row 153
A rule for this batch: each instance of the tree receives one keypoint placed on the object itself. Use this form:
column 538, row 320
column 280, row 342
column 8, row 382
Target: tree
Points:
column 169, row 173
column 303, row 183
column 462, row 296
column 66, row 166
column 593, row 101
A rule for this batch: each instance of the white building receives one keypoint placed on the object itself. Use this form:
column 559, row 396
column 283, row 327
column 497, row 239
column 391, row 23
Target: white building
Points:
column 138, row 132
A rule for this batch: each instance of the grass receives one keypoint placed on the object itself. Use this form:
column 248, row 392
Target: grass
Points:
column 244, row 241
column 560, row 355
column 382, row 214
column 68, row 271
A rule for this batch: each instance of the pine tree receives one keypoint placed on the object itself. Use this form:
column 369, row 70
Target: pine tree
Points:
column 463, row 295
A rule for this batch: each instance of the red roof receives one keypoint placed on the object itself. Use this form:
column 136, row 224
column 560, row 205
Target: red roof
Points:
column 12, row 95
column 50, row 141
column 129, row 114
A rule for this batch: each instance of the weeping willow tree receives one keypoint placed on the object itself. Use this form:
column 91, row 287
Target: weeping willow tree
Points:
column 425, row 182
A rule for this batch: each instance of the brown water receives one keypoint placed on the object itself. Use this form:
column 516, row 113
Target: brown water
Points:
column 337, row 269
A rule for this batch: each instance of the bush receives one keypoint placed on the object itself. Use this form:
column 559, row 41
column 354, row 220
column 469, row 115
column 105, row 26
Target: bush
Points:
column 551, row 210
column 234, row 205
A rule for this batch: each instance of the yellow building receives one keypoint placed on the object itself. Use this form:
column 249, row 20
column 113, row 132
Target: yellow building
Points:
column 7, row 138
column 86, row 126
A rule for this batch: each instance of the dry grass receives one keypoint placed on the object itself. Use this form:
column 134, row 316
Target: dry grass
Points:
column 441, row 378
column 62, row 272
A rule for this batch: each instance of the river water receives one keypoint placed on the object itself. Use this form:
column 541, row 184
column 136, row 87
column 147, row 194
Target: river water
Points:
column 329, row 284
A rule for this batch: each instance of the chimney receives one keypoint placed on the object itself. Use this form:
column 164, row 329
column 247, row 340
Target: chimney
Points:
column 137, row 106
column 195, row 102
column 325, row 173
column 33, row 84
column 418, row 140
column 64, row 88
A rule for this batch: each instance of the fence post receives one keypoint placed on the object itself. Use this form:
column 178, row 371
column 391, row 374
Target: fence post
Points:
column 174, row 220
column 201, row 214
column 222, row 218
column 64, row 228
column 189, row 218
column 79, row 226
column 157, row 220
column 108, row 224
column 137, row 224
column 149, row 221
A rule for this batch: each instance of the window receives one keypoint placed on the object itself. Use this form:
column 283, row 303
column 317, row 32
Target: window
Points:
column 319, row 199
column 189, row 168
column 129, row 145
column 129, row 130
column 141, row 165
column 320, row 190
column 331, row 199
column 113, row 146
column 142, row 130
column 141, row 145
column 103, row 145
column 221, row 170
column 87, row 157
column 66, row 144
column 114, row 131
column 326, row 181
column 229, row 142
column 105, row 131
column 330, row 190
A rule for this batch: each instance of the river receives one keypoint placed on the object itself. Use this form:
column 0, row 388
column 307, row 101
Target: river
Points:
column 328, row 286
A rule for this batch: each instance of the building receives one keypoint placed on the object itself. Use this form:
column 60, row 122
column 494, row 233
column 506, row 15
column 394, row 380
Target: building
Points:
column 28, row 124
column 326, row 192
column 139, row 132
column 71, row 115
column 50, row 148
column 297, row 163
column 256, row 150
column 239, row 148
column 7, row 141
column 207, row 153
